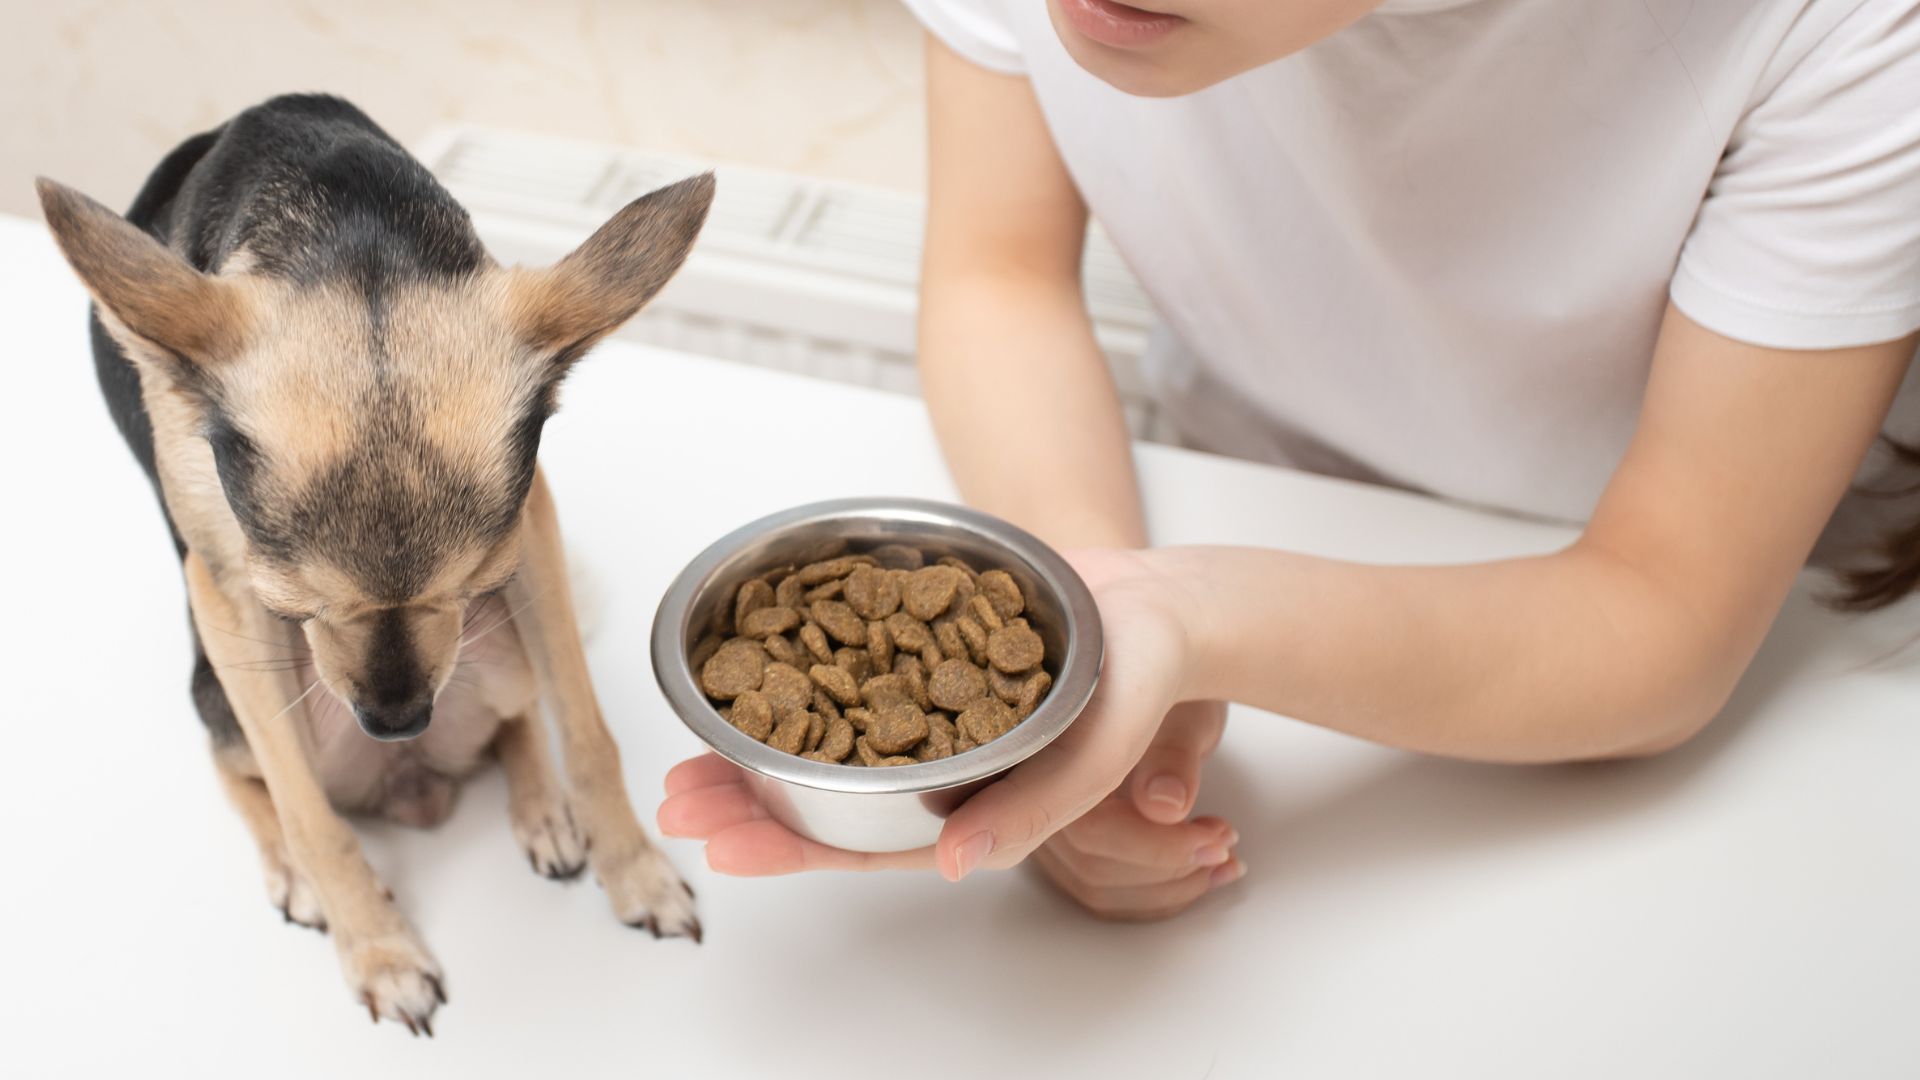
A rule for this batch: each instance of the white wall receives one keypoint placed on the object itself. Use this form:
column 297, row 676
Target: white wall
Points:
column 93, row 92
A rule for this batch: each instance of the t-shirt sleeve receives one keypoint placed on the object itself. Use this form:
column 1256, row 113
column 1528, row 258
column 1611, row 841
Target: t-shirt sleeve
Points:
column 1809, row 236
column 976, row 29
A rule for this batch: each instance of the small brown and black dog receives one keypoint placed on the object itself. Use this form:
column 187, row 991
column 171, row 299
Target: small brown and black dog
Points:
column 339, row 397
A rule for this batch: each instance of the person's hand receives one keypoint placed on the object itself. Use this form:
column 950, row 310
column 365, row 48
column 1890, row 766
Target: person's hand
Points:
column 1136, row 855
column 1141, row 614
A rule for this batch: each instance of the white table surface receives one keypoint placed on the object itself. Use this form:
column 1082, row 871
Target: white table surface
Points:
column 1743, row 907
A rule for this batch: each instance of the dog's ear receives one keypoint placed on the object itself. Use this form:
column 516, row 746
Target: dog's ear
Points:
column 564, row 309
column 150, row 290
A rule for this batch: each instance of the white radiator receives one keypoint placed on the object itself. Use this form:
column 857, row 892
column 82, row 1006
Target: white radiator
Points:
column 791, row 272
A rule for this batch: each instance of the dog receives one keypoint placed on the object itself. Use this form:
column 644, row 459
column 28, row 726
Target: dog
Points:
column 338, row 397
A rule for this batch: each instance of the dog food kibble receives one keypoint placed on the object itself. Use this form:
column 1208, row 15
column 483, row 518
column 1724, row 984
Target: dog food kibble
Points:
column 877, row 659
column 1014, row 648
column 734, row 669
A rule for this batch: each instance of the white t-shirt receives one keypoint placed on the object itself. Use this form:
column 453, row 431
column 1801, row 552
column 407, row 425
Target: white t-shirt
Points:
column 1434, row 249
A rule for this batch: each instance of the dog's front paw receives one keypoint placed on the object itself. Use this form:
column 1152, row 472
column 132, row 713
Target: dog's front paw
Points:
column 554, row 845
column 394, row 976
column 646, row 892
column 289, row 890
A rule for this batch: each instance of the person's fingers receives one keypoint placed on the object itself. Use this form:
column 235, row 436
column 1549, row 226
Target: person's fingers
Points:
column 1116, row 830
column 1010, row 817
column 1131, row 903
column 705, row 811
column 706, row 770
column 1101, row 872
column 1166, row 779
column 765, row 847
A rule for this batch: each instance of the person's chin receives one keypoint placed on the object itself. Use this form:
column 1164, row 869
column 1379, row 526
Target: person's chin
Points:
column 1153, row 71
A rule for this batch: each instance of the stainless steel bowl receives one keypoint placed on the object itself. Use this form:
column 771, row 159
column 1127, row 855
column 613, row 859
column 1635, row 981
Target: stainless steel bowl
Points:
column 901, row 807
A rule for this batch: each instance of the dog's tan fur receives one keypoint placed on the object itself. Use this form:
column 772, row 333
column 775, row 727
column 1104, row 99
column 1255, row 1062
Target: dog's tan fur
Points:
column 296, row 366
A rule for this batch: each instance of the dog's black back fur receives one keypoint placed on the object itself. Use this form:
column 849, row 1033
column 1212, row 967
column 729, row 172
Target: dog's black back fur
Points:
column 314, row 191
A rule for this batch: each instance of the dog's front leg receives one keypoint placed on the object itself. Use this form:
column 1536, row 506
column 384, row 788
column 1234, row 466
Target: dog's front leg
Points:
column 385, row 963
column 642, row 885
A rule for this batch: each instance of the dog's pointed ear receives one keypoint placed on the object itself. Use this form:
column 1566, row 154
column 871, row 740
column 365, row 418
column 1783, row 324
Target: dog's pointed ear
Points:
column 148, row 289
column 582, row 298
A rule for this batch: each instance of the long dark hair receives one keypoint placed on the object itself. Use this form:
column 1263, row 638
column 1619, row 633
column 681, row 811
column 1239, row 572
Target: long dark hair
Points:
column 1893, row 569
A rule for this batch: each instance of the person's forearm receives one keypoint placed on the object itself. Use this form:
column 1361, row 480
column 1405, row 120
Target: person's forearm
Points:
column 1563, row 657
column 1025, row 408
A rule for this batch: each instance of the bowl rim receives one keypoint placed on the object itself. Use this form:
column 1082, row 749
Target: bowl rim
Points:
column 1073, row 686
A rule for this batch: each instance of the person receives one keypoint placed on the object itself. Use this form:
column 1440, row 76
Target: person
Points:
column 1652, row 267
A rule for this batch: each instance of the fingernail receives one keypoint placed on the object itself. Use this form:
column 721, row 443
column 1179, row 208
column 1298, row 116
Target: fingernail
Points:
column 968, row 855
column 1226, row 875
column 1211, row 855
column 1233, row 837
column 1169, row 790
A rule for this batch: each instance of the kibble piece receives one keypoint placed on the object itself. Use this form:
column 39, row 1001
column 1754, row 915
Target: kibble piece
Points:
column 963, row 744
column 786, row 687
column 815, row 640
column 1000, row 590
column 872, row 593
column 790, row 591
column 790, row 736
column 939, row 721
column 733, row 669
column 1004, row 686
column 864, row 750
column 839, row 621
column 1014, row 648
column 931, row 657
column 703, row 651
column 898, row 557
column 964, row 595
column 753, row 595
column 1034, row 689
column 930, row 591
column 752, row 714
column 938, row 744
column 986, row 720
column 958, row 564
column 838, row 742
column 823, row 704
column 956, row 684
column 782, row 649
column 883, row 690
column 896, row 728
column 856, row 662
column 908, row 632
column 828, row 569
column 984, row 613
column 766, row 621
column 816, row 730
column 838, row 684
column 946, row 634
column 880, row 646
column 830, row 591
column 859, row 718
column 974, row 635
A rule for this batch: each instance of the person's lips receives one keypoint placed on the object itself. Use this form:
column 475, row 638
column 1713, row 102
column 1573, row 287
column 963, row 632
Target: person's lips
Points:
column 1118, row 25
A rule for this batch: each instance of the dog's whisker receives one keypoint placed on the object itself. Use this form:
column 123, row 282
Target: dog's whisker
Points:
column 295, row 701
column 262, row 641
column 501, row 621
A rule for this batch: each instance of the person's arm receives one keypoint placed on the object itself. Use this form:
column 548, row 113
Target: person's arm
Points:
column 1019, row 392
column 1627, row 642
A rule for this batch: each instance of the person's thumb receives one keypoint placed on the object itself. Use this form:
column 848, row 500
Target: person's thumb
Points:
column 1167, row 778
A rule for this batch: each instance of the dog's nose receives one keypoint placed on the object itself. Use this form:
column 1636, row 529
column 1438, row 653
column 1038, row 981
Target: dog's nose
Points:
column 391, row 722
